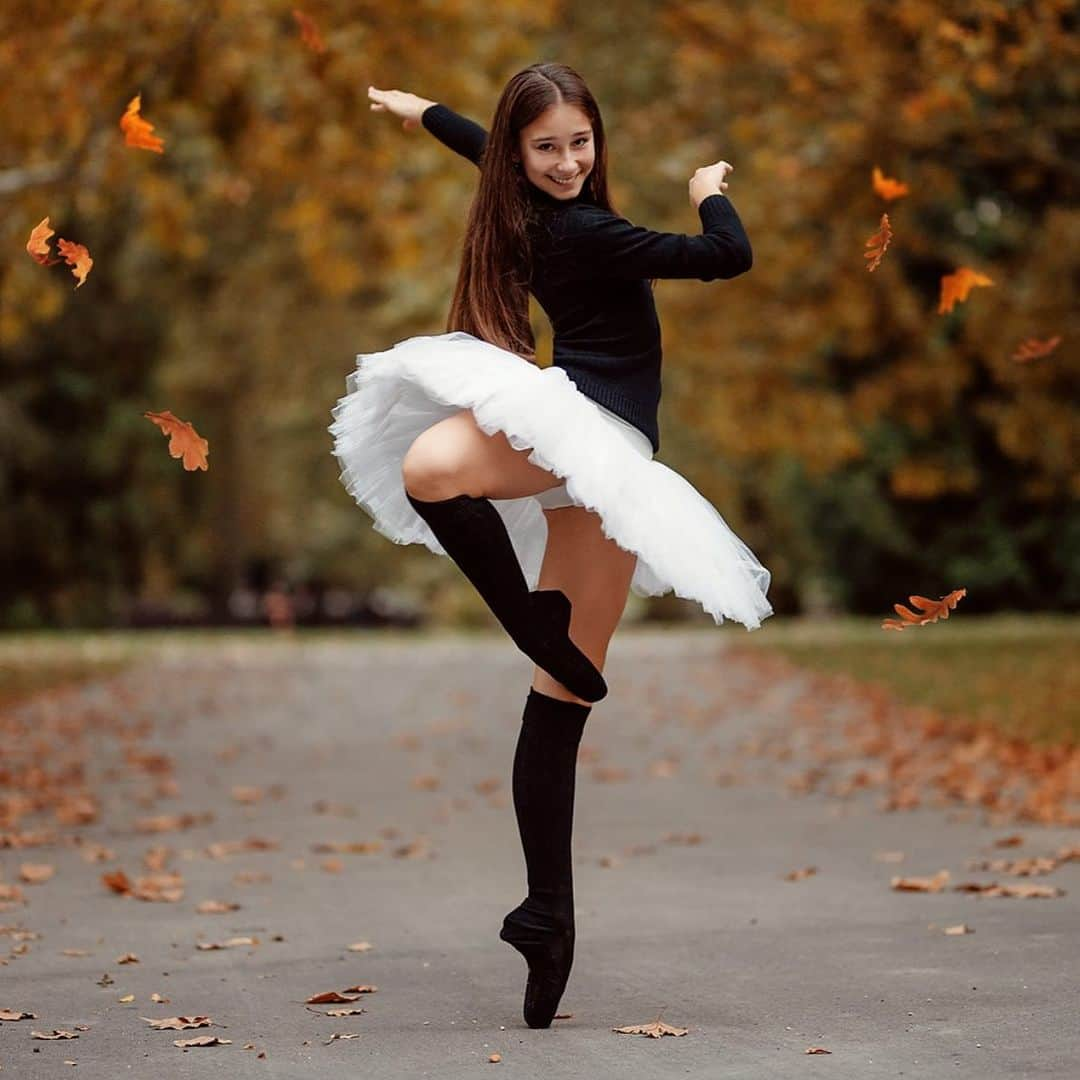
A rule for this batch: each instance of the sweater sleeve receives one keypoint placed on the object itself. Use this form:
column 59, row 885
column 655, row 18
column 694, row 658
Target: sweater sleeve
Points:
column 462, row 135
column 598, row 243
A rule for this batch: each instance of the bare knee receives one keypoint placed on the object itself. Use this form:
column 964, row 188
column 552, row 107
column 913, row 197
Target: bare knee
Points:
column 435, row 467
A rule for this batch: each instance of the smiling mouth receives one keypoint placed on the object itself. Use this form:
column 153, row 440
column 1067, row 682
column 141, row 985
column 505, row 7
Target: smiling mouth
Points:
column 564, row 183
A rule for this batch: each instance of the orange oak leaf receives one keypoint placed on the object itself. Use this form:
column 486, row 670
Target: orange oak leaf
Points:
column 137, row 131
column 1033, row 348
column 957, row 285
column 309, row 32
column 77, row 257
column 38, row 244
column 932, row 610
column 878, row 243
column 184, row 440
column 887, row 187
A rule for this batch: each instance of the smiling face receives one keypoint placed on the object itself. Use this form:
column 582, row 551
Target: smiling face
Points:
column 558, row 145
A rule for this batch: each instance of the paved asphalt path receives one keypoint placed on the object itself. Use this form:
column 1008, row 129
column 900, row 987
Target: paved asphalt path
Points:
column 683, row 910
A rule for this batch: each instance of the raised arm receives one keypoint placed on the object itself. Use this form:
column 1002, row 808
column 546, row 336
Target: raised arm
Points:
column 461, row 134
column 597, row 243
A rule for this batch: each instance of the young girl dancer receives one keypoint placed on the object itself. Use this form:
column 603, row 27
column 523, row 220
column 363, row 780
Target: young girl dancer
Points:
column 529, row 476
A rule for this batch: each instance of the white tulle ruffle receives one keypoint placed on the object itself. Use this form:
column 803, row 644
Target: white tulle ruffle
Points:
column 682, row 542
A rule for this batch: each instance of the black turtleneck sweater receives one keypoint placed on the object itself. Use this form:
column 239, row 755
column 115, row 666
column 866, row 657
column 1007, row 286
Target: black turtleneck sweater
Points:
column 590, row 272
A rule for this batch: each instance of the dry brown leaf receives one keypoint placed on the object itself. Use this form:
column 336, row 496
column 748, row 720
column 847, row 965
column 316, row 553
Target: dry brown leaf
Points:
column 36, row 873
column 956, row 286
column 341, row 1035
column 126, row 999
column 1024, row 892
column 329, row 997
column 184, row 441
column 202, row 1040
column 177, row 1023
column 360, row 946
column 921, row 884
column 1034, row 349
column 361, row 988
column 216, row 907
column 800, row 874
column 345, row 1012
column 817, row 1050
column 127, row 958
column 932, row 610
column 309, row 32
column 12, row 1015
column 654, row 1030
column 886, row 186
column 878, row 244
column 56, row 1033
column 138, row 131
column 231, row 943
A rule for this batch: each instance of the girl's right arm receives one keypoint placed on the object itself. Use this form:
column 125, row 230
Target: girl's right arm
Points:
column 458, row 132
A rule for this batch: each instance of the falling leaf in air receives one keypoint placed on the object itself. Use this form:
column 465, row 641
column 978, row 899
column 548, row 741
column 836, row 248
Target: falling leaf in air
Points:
column 202, row 1040
column 932, row 610
column 184, row 440
column 887, row 187
column 957, row 285
column 137, row 131
column 38, row 244
column 77, row 257
column 878, row 244
column 309, row 32
column 1032, row 349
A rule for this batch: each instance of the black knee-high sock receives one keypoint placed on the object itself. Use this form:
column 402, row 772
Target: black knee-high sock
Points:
column 545, row 765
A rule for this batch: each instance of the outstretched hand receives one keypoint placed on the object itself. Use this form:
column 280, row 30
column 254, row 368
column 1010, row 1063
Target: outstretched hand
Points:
column 407, row 106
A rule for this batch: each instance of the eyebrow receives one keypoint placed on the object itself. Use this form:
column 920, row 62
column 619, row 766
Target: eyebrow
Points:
column 551, row 138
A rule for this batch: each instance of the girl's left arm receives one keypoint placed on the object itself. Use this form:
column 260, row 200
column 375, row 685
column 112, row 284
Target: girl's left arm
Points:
column 462, row 135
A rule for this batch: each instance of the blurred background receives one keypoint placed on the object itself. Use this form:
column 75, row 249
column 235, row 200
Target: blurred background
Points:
column 866, row 445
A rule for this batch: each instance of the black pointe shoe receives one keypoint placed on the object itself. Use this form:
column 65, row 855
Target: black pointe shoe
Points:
column 548, row 947
column 547, row 642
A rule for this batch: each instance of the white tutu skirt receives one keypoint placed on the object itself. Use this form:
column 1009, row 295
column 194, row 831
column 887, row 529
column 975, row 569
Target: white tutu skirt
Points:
column 681, row 541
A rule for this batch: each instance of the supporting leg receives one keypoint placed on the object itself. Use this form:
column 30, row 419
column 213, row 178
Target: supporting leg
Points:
column 541, row 928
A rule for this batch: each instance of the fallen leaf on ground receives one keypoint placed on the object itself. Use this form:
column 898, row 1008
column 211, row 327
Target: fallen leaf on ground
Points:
column 921, row 884
column 177, row 1023
column 202, row 1040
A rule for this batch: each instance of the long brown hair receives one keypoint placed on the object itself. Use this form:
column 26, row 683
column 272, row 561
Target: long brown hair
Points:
column 491, row 298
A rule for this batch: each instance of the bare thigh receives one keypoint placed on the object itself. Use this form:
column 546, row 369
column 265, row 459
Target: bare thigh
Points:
column 595, row 573
column 457, row 457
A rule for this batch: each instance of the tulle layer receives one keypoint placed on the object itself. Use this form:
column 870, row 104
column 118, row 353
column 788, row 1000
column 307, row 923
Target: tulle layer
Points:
column 682, row 543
